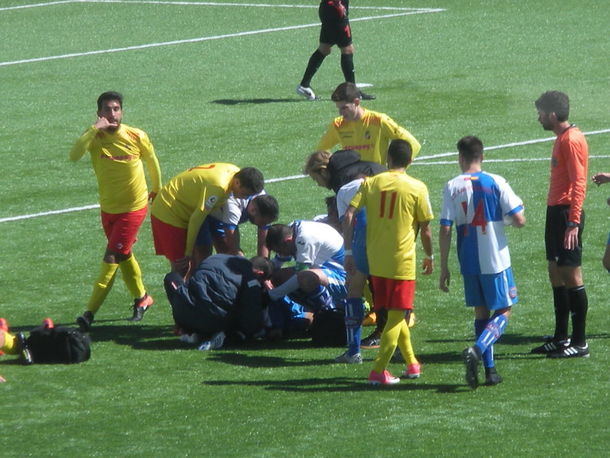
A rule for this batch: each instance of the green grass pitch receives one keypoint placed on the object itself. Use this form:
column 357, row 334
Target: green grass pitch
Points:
column 220, row 87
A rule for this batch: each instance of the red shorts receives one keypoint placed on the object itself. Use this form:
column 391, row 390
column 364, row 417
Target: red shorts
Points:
column 122, row 229
column 392, row 294
column 170, row 241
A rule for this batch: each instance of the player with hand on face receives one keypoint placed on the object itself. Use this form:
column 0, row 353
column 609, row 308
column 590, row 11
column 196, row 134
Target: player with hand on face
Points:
column 118, row 152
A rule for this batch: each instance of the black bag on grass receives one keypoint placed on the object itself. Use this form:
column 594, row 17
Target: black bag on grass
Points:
column 58, row 345
column 328, row 328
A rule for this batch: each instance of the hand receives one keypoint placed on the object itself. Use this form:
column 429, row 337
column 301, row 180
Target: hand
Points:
column 427, row 266
column 182, row 266
column 570, row 240
column 444, row 280
column 601, row 178
column 268, row 285
column 2, row 379
column 103, row 124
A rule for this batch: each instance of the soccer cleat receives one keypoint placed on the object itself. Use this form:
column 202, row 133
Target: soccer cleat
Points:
column 372, row 341
column 140, row 306
column 364, row 96
column 306, row 92
column 47, row 323
column 570, row 351
column 472, row 358
column 552, row 346
column 413, row 371
column 84, row 321
column 370, row 319
column 492, row 377
column 349, row 359
column 193, row 339
column 214, row 343
column 24, row 351
column 3, row 327
column 385, row 378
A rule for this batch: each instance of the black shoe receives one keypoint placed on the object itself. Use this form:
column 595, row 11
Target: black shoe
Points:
column 140, row 306
column 364, row 96
column 84, row 321
column 571, row 351
column 25, row 353
column 552, row 346
column 472, row 358
column 492, row 377
column 372, row 341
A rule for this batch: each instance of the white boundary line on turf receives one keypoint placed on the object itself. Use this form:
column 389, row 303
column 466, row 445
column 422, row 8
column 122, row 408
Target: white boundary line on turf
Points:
column 192, row 40
column 509, row 145
column 222, row 4
column 295, row 177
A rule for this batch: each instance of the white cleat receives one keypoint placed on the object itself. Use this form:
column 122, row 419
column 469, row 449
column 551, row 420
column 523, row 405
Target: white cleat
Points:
column 306, row 92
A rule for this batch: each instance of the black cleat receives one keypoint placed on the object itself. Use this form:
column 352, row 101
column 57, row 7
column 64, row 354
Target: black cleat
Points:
column 140, row 306
column 372, row 341
column 472, row 358
column 492, row 377
column 84, row 321
column 364, row 96
column 551, row 346
column 571, row 351
column 25, row 353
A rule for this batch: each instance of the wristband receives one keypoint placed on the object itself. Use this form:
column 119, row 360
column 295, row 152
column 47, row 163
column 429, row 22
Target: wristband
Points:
column 431, row 257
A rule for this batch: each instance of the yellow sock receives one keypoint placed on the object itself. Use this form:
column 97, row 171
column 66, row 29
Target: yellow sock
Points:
column 389, row 339
column 404, row 343
column 132, row 276
column 102, row 286
column 10, row 344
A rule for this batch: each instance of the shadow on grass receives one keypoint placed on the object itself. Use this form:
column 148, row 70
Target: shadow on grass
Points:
column 513, row 339
column 255, row 101
column 338, row 384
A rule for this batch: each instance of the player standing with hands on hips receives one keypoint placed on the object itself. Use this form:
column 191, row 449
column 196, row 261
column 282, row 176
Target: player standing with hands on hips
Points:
column 117, row 154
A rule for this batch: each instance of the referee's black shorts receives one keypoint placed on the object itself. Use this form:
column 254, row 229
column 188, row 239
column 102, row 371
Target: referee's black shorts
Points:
column 554, row 233
column 335, row 30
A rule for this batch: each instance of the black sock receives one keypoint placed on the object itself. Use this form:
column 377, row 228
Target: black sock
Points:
column 579, row 305
column 562, row 312
column 347, row 66
column 312, row 67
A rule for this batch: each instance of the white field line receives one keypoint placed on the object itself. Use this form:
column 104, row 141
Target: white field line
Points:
column 190, row 40
column 295, row 177
column 221, row 4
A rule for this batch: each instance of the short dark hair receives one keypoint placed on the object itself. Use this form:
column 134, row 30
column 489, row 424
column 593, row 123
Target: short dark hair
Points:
column 345, row 92
column 109, row 95
column 251, row 178
column 399, row 153
column 276, row 235
column 554, row 102
column 267, row 206
column 263, row 264
column 470, row 148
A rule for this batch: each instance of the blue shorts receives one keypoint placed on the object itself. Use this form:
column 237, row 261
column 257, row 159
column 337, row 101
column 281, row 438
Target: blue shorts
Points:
column 336, row 280
column 494, row 291
column 211, row 229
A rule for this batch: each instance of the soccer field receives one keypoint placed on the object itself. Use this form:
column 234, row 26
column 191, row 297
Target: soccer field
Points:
column 214, row 82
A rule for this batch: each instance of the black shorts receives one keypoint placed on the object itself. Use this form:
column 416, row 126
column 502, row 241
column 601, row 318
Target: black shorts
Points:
column 335, row 29
column 554, row 233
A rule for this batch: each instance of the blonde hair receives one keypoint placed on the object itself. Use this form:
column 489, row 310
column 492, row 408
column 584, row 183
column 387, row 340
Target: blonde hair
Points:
column 316, row 165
